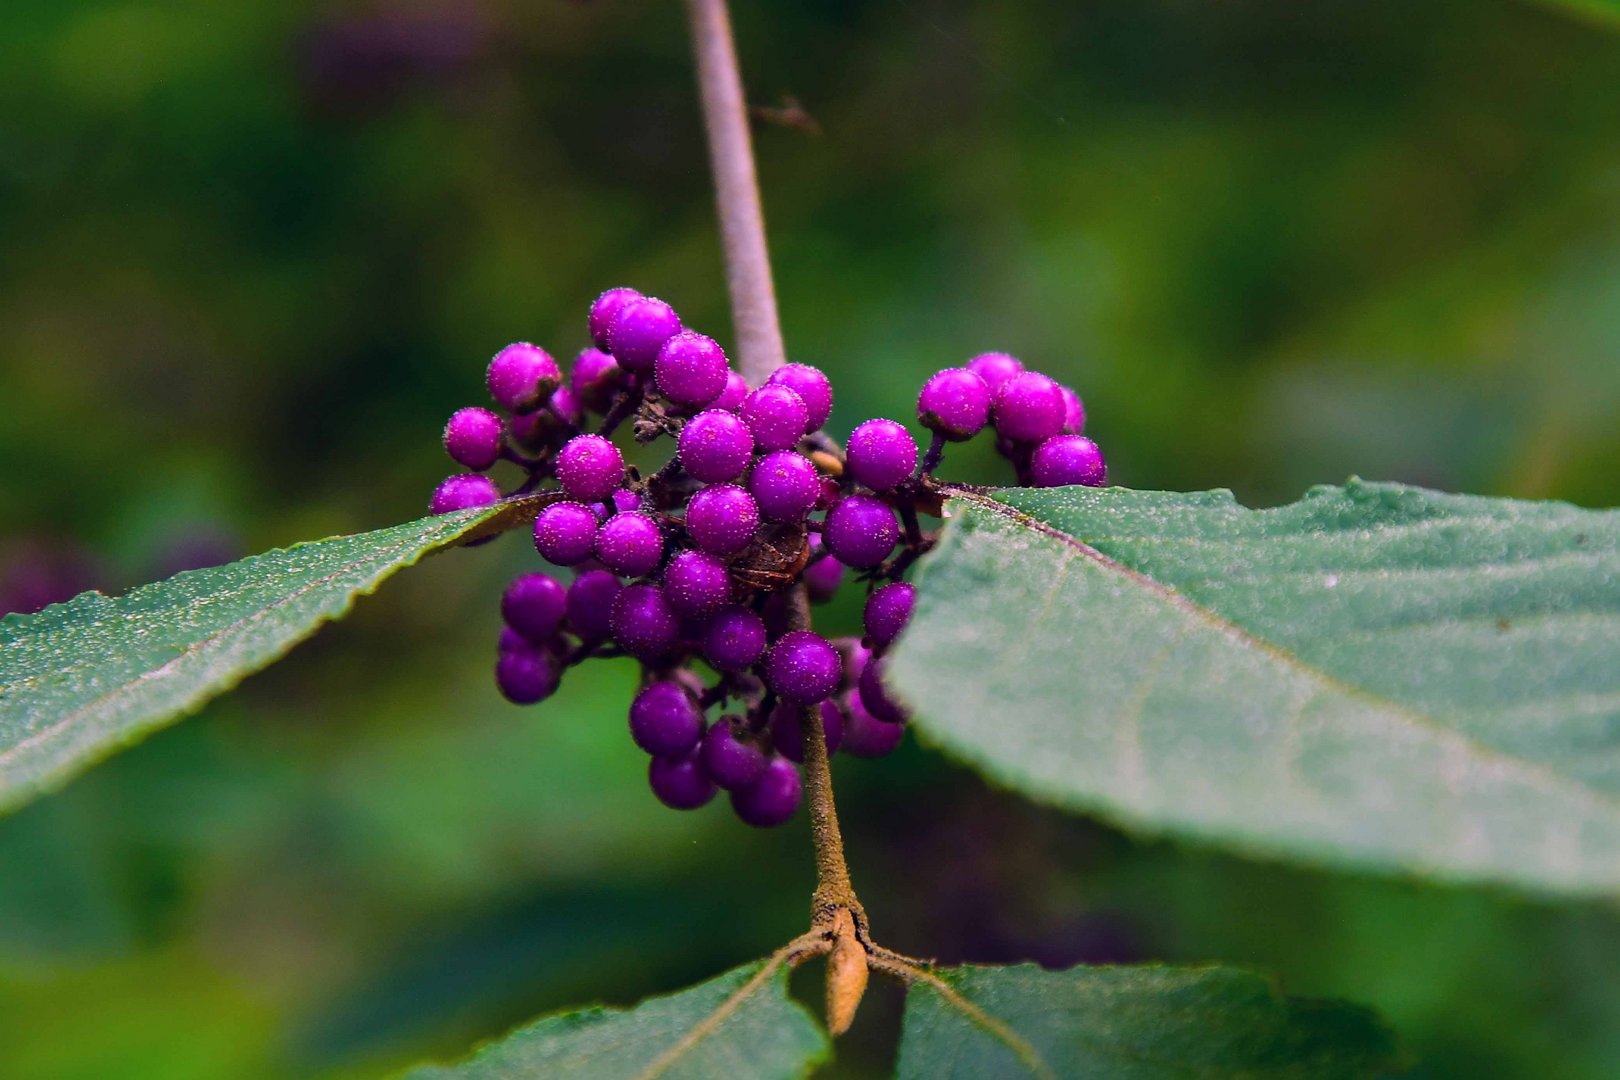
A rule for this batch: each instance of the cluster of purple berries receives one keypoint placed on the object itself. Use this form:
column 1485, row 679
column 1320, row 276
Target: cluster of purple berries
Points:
column 699, row 562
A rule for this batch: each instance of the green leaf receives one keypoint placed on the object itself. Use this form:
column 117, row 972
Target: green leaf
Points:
column 1132, row 1023
column 83, row 679
column 741, row 1023
column 1376, row 676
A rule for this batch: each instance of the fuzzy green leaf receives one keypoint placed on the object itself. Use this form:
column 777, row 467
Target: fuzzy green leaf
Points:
column 1376, row 676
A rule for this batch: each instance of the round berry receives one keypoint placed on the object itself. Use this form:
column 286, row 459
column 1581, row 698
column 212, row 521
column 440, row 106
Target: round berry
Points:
column 776, row 415
column 1074, row 412
column 732, row 396
column 771, row 800
column 734, row 640
column 566, row 407
column 630, row 544
column 534, row 606
column 639, row 330
column 822, row 576
column 1028, row 408
column 888, row 610
column 473, row 438
column 802, row 667
column 522, row 376
column 880, row 454
column 785, row 485
column 680, row 783
column 865, row 735
column 642, row 622
column 875, row 697
column 590, row 468
column 1068, row 459
column 590, row 604
column 463, row 492
column 565, row 533
column 595, row 379
column 787, row 731
column 722, row 519
column 665, row 721
column 860, row 531
column 526, row 675
column 605, row 309
column 995, row 368
column 625, row 501
column 715, row 446
column 691, row 369
column 536, row 430
column 813, row 388
column 954, row 403
column 730, row 761
column 510, row 639
column 696, row 583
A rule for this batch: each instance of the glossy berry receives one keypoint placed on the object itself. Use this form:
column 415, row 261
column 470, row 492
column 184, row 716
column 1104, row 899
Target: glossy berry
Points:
column 730, row 761
column 665, row 721
column 522, row 376
column 680, row 783
column 954, row 403
column 802, row 667
column 473, row 438
column 691, row 369
column 787, row 733
column 590, row 468
column 995, row 368
column 732, row 396
column 776, row 415
column 734, row 640
column 642, row 622
column 624, row 501
column 630, row 544
column 822, row 576
column 566, row 406
column 639, row 330
column 722, row 519
column 1068, row 459
column 888, row 610
column 595, row 378
column 865, row 735
column 785, row 485
column 860, row 531
column 771, row 800
column 463, row 492
column 715, row 446
column 526, row 676
column 1028, row 408
column 696, row 583
column 605, row 309
column 880, row 454
column 813, row 388
column 565, row 533
column 534, row 606
column 1074, row 412
column 590, row 604
column 875, row 696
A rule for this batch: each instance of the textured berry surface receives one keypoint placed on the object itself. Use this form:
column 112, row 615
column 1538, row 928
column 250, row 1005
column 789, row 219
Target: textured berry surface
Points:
column 696, row 583
column 803, row 667
column 665, row 721
column 730, row 761
column 880, row 454
column 784, row 485
column 590, row 604
column 777, row 417
column 534, row 605
column 954, row 403
column 472, row 438
column 1068, row 459
column 771, row 800
column 995, row 368
column 525, row 675
column 691, row 369
column 522, row 376
column 722, row 519
column 1074, row 412
column 565, row 533
column 642, row 622
column 734, row 639
column 716, row 446
column 813, row 388
column 787, row 732
column 605, row 309
column 639, row 330
column 887, row 611
column 463, row 493
column 861, row 531
column 680, row 783
column 734, row 393
column 590, row 468
column 631, row 545
column 1028, row 408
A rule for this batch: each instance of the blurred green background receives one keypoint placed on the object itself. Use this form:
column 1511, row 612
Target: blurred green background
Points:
column 253, row 253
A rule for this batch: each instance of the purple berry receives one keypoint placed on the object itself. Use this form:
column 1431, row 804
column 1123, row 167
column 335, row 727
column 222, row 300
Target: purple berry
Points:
column 802, row 667
column 565, row 533
column 855, row 655
column 776, row 415
column 536, row 430
column 865, row 735
column 590, row 468
column 715, row 446
column 510, row 639
column 595, row 379
column 630, row 544
column 473, row 438
column 1028, row 408
column 526, row 676
column 639, row 330
column 875, row 697
column 860, row 531
column 955, row 403
column 771, row 800
column 730, row 761
column 522, row 376
column 642, row 622
column 881, row 453
column 691, row 369
column 785, row 485
column 665, row 721
column 822, row 576
column 1074, row 412
column 734, row 640
column 566, row 407
column 625, row 501
column 590, row 604
column 888, row 610
column 534, row 606
column 813, row 388
column 995, row 368
column 1068, row 459
column 722, row 519
column 787, row 733
column 605, row 309
column 680, row 783
column 732, row 396
column 463, row 492
column 696, row 583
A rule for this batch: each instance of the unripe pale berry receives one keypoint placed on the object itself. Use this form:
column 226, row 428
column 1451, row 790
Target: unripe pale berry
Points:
column 696, row 583
column 642, row 622
column 630, row 544
column 865, row 735
column 771, row 800
column 734, row 640
column 888, row 610
column 860, row 531
column 803, row 667
column 715, row 446
column 590, row 468
column 722, row 519
column 880, row 454
column 639, row 330
column 463, row 492
column 785, row 485
column 875, row 696
column 822, row 576
column 534, row 606
column 595, row 379
column 565, row 533
column 590, row 604
column 732, row 396
column 787, row 732
column 605, row 309
column 995, row 368
column 691, row 369
column 1028, row 408
column 1074, row 412
column 680, row 783
column 776, row 415
column 1068, row 459
column 955, row 403
column 526, row 676
column 665, row 721
column 522, row 376
column 472, row 438
column 813, row 388
column 730, row 761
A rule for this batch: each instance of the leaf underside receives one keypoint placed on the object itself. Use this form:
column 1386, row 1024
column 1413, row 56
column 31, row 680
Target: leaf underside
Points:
column 1376, row 676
